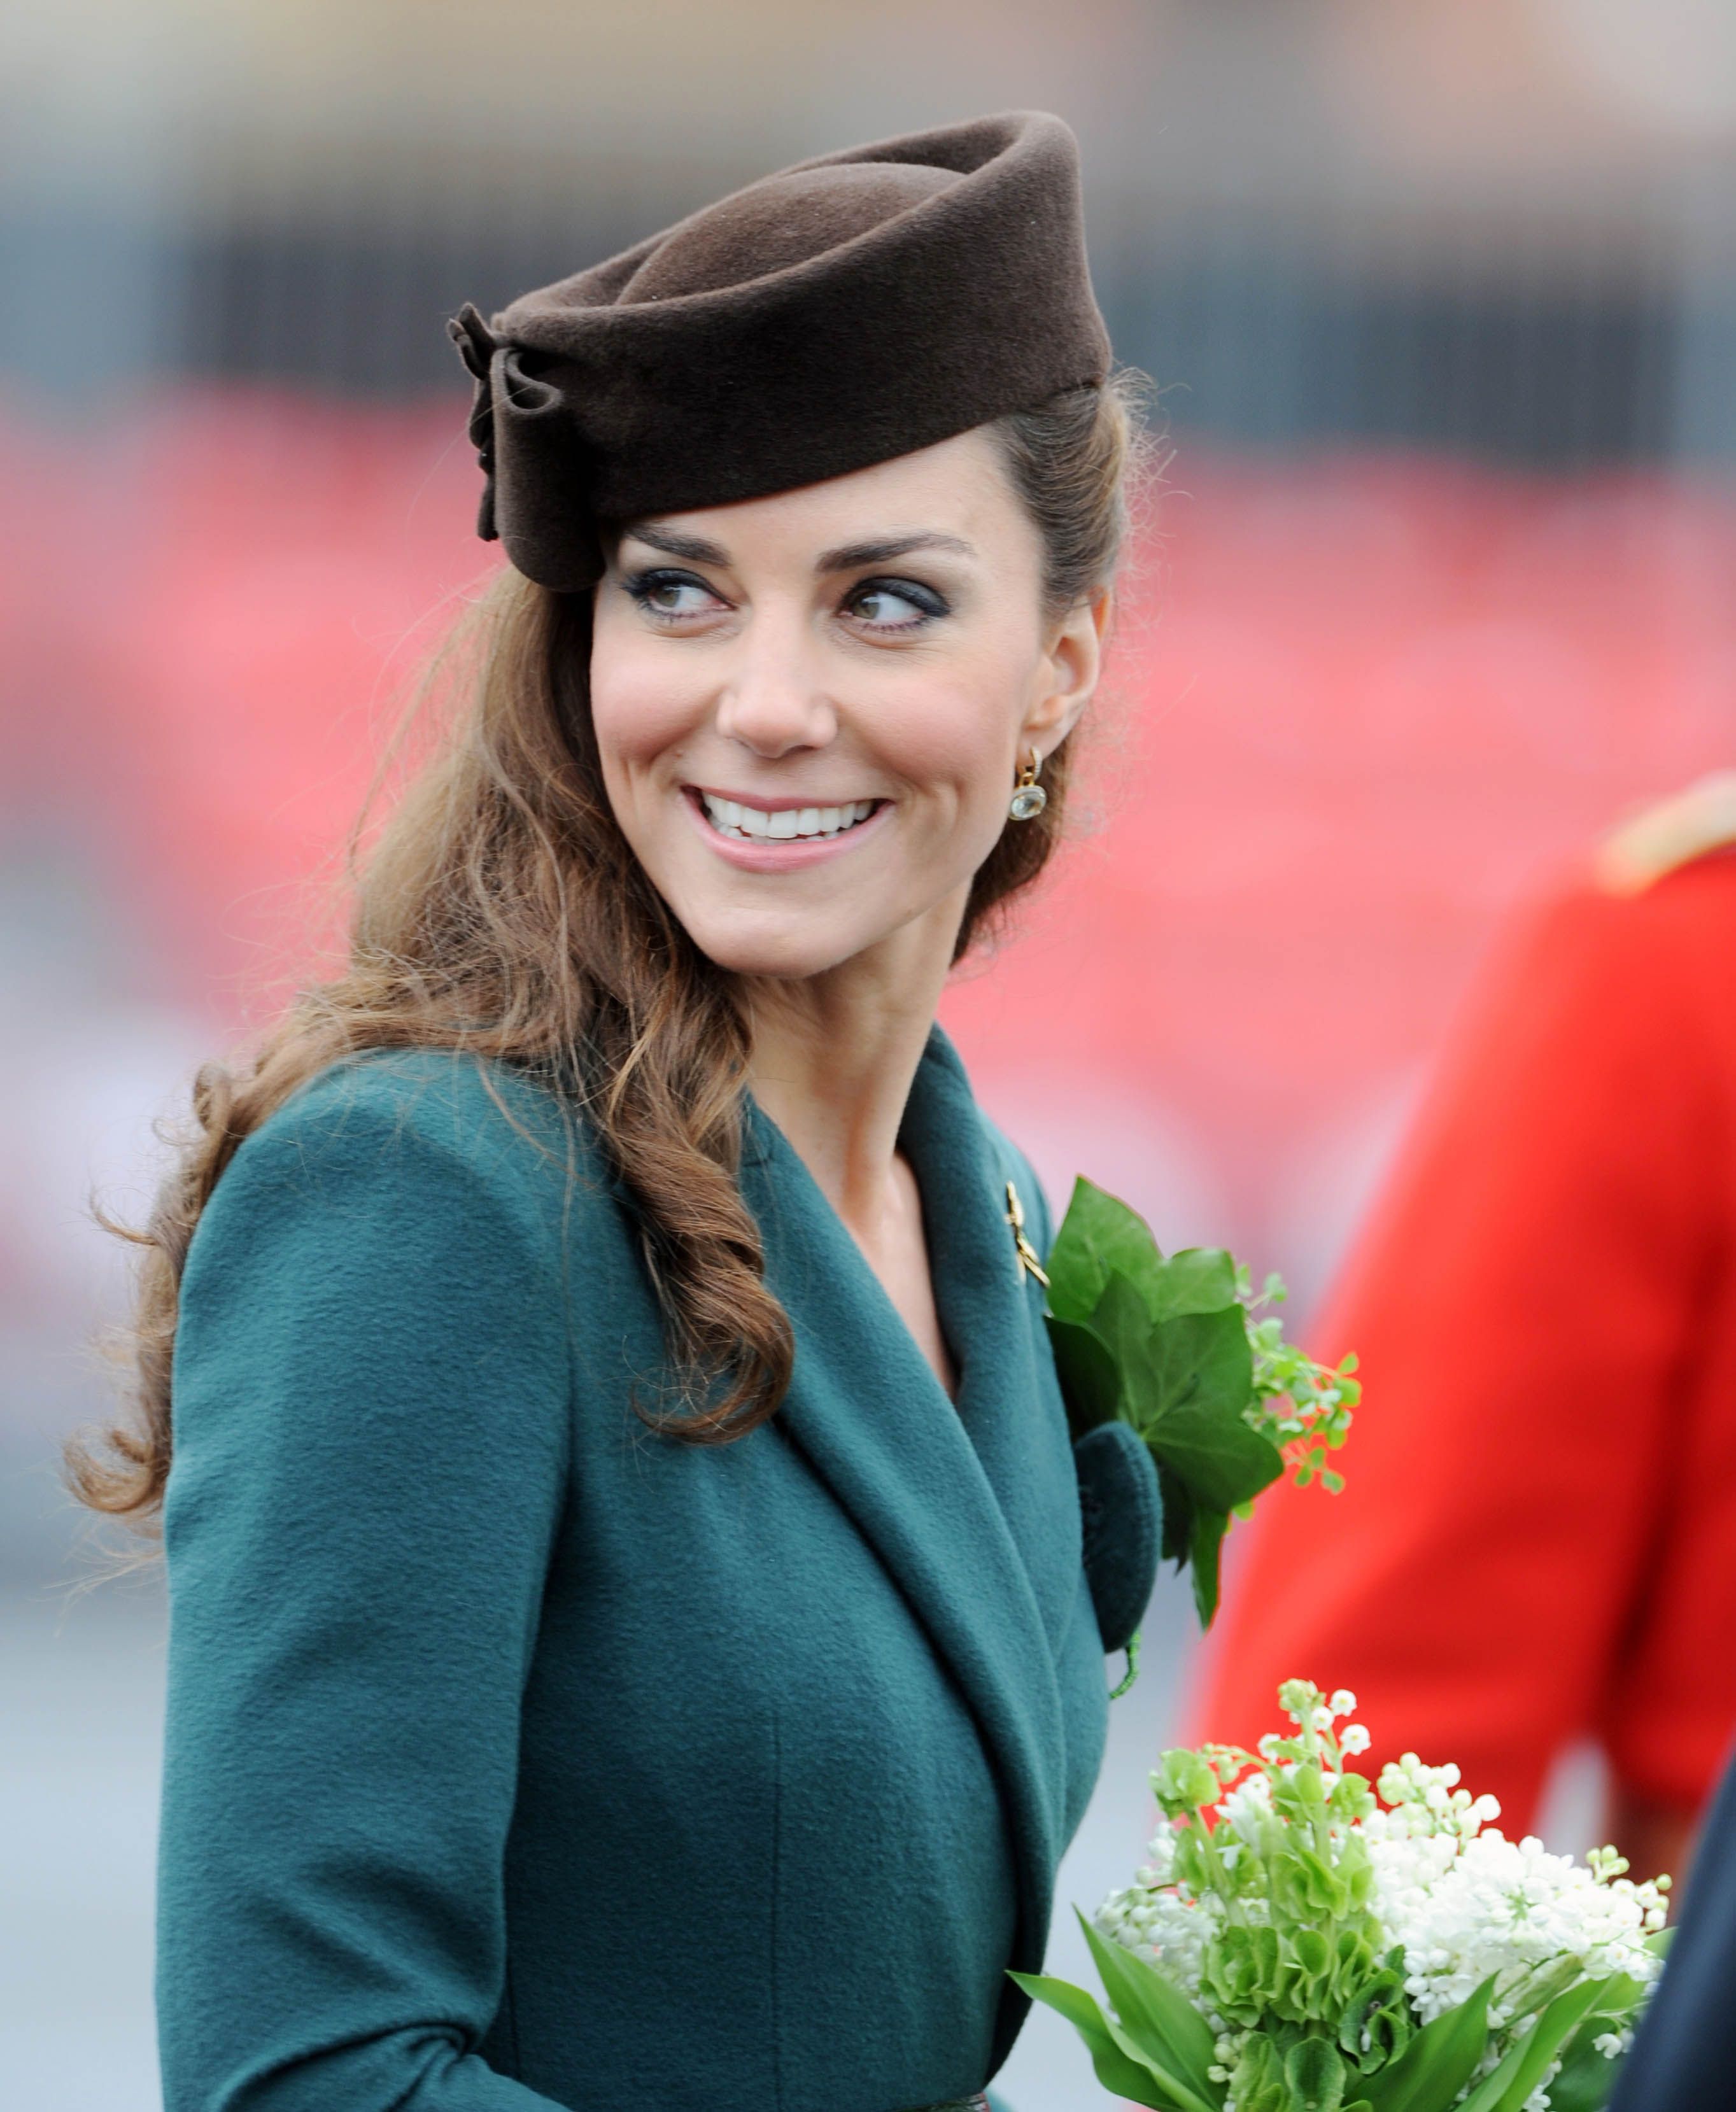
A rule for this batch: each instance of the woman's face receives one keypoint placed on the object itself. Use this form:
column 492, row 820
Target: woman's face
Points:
column 811, row 708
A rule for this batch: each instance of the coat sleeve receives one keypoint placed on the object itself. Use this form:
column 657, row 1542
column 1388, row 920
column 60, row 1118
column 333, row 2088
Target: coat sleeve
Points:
column 1526, row 1305
column 371, row 1417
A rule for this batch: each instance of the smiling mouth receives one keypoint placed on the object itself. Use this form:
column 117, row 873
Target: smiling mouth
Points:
column 756, row 824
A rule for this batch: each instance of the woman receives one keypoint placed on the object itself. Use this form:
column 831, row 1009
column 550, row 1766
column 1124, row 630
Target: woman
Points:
column 631, row 1642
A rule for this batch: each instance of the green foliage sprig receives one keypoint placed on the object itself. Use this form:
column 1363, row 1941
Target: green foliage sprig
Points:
column 1184, row 1349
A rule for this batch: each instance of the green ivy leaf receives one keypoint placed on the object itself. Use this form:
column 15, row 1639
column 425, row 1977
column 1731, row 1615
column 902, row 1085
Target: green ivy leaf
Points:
column 1186, row 1385
column 1120, row 1323
column 1099, row 1234
column 1179, row 1517
column 1197, row 1280
column 1091, row 1378
column 1177, row 1348
column 1205, row 1556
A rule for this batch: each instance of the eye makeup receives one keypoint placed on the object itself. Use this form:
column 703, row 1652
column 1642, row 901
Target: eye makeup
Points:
column 645, row 588
column 928, row 604
column 658, row 591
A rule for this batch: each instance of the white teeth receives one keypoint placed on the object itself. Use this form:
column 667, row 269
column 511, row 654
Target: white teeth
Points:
column 756, row 824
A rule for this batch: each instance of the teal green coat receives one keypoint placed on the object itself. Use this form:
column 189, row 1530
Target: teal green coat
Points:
column 519, row 1758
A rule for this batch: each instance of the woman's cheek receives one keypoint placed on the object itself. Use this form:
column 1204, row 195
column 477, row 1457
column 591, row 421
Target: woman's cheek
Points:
column 958, row 744
column 637, row 716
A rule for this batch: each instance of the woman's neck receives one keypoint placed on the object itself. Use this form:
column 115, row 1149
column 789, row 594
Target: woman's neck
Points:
column 834, row 1056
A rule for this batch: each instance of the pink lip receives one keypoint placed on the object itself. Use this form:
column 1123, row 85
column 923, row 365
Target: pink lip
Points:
column 788, row 855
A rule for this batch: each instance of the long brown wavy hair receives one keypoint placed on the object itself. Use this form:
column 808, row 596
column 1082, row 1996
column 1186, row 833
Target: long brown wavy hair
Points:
column 501, row 912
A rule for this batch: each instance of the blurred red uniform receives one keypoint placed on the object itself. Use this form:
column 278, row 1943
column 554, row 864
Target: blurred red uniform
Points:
column 1537, row 1538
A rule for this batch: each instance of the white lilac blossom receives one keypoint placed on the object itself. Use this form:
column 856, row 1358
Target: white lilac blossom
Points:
column 1466, row 1906
column 1317, row 1931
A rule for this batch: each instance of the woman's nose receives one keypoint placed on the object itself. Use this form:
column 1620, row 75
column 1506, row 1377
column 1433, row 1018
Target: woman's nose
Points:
column 775, row 702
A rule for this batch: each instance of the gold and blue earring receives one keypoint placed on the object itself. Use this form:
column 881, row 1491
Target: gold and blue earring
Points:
column 1029, row 799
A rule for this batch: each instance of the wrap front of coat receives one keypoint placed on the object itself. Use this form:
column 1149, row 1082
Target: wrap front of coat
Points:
column 520, row 1758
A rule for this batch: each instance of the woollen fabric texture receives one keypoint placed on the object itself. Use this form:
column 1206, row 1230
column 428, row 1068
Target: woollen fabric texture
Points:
column 843, row 311
column 520, row 1758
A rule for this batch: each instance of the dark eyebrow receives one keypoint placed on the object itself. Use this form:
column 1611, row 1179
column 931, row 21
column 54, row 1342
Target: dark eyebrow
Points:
column 852, row 556
column 694, row 549
column 846, row 558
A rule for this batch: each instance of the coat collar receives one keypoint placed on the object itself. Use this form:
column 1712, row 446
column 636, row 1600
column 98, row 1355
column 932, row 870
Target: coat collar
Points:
column 970, row 1508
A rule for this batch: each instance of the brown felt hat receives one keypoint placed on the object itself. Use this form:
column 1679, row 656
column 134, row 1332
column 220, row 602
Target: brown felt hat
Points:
column 845, row 311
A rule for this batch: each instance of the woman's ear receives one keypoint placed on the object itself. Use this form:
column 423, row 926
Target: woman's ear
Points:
column 1069, row 671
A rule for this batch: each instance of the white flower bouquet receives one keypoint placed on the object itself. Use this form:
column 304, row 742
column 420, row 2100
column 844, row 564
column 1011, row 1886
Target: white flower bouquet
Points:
column 1297, row 1944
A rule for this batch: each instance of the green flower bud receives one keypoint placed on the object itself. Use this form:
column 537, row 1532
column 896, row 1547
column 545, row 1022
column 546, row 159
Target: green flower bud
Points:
column 1244, row 1972
column 1298, row 1699
column 1315, row 2074
column 1375, row 2028
column 1258, row 2083
column 1183, row 1782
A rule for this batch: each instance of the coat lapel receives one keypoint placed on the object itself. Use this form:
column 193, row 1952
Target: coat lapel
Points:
column 970, row 1507
column 1010, row 1401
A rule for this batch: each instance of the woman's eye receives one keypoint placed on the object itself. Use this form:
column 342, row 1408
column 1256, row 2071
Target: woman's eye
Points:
column 900, row 605
column 672, row 594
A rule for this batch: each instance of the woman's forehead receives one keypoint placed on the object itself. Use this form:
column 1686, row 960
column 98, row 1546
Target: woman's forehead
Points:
column 953, row 499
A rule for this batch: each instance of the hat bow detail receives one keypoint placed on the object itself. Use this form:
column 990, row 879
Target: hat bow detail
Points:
column 477, row 345
column 536, row 492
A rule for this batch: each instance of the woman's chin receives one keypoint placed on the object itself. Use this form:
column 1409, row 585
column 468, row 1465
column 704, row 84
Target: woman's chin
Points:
column 792, row 962
column 786, row 949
